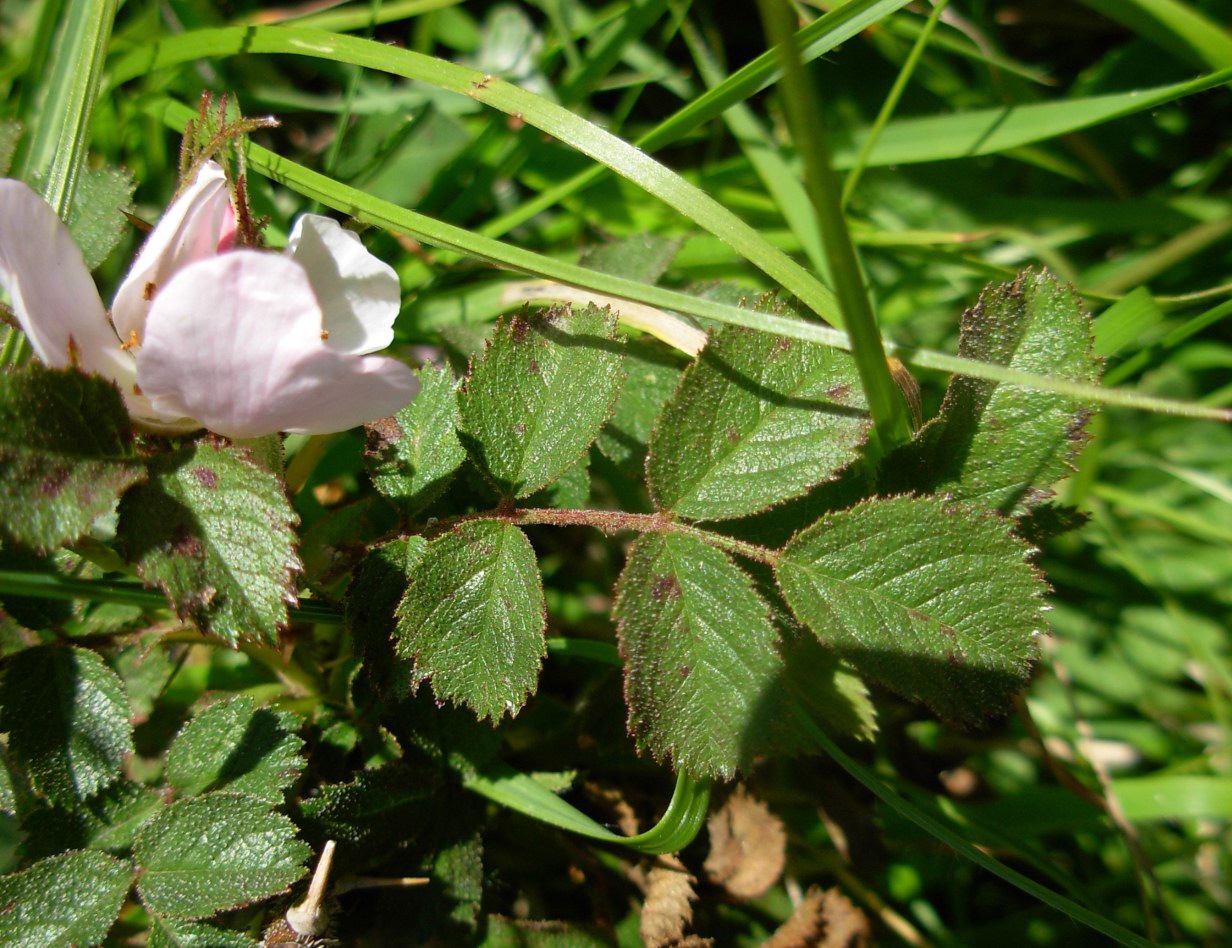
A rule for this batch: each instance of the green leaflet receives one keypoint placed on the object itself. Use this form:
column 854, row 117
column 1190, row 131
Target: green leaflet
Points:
column 177, row 933
column 216, row 852
column 1000, row 445
column 371, row 607
column 67, row 718
column 537, row 397
column 413, row 456
column 96, row 216
column 215, row 533
column 653, row 373
column 644, row 257
column 65, row 900
column 758, row 419
column 65, row 454
column 379, row 809
column 473, row 618
column 234, row 745
column 934, row 600
column 108, row 821
column 699, row 649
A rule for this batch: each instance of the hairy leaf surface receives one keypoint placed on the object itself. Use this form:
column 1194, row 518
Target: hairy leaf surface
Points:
column 412, row 457
column 215, row 533
column 234, row 745
column 758, row 419
column 1001, row 445
column 70, row 899
column 473, row 618
column 177, row 933
column 109, row 821
column 653, row 373
column 96, row 217
column 214, row 853
column 67, row 717
column 700, row 656
column 537, row 397
column 65, row 454
column 932, row 599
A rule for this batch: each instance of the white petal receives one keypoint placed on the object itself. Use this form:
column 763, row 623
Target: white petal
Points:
column 358, row 293
column 192, row 229
column 235, row 342
column 51, row 291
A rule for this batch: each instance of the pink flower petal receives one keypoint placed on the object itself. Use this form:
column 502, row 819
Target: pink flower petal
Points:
column 358, row 293
column 235, row 342
column 51, row 291
column 194, row 227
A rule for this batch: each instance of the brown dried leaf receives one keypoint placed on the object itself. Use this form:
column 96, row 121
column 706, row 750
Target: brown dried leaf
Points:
column 748, row 846
column 823, row 920
column 667, row 911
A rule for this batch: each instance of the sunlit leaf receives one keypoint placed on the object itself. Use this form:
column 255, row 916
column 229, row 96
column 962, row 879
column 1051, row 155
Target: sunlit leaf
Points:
column 699, row 649
column 214, row 532
column 473, row 618
column 934, row 600
column 1000, row 445
column 757, row 420
column 537, row 397
column 234, row 745
column 413, row 456
column 216, row 852
column 65, row 900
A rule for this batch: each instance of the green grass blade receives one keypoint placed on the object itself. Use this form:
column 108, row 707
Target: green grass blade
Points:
column 782, row 181
column 353, row 16
column 988, row 131
column 892, row 98
column 804, row 116
column 955, row 841
column 510, row 788
column 605, row 148
column 363, row 207
column 1174, row 26
column 59, row 128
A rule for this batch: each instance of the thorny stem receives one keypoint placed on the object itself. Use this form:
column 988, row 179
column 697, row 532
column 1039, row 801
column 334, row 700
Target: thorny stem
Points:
column 612, row 521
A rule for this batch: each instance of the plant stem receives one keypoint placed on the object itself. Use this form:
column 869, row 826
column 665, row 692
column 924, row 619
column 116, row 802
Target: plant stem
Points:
column 806, row 119
column 613, row 521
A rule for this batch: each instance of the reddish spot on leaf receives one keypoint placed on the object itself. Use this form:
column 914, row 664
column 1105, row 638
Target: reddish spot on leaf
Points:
column 518, row 329
column 54, row 481
column 206, row 477
column 838, row 392
column 685, row 671
column 733, row 434
column 534, row 366
column 665, row 587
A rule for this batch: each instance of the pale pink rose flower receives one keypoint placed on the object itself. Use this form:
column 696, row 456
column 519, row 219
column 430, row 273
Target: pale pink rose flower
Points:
column 242, row 342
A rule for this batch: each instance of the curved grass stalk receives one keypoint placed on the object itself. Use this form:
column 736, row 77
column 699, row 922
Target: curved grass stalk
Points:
column 514, row 790
column 368, row 209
